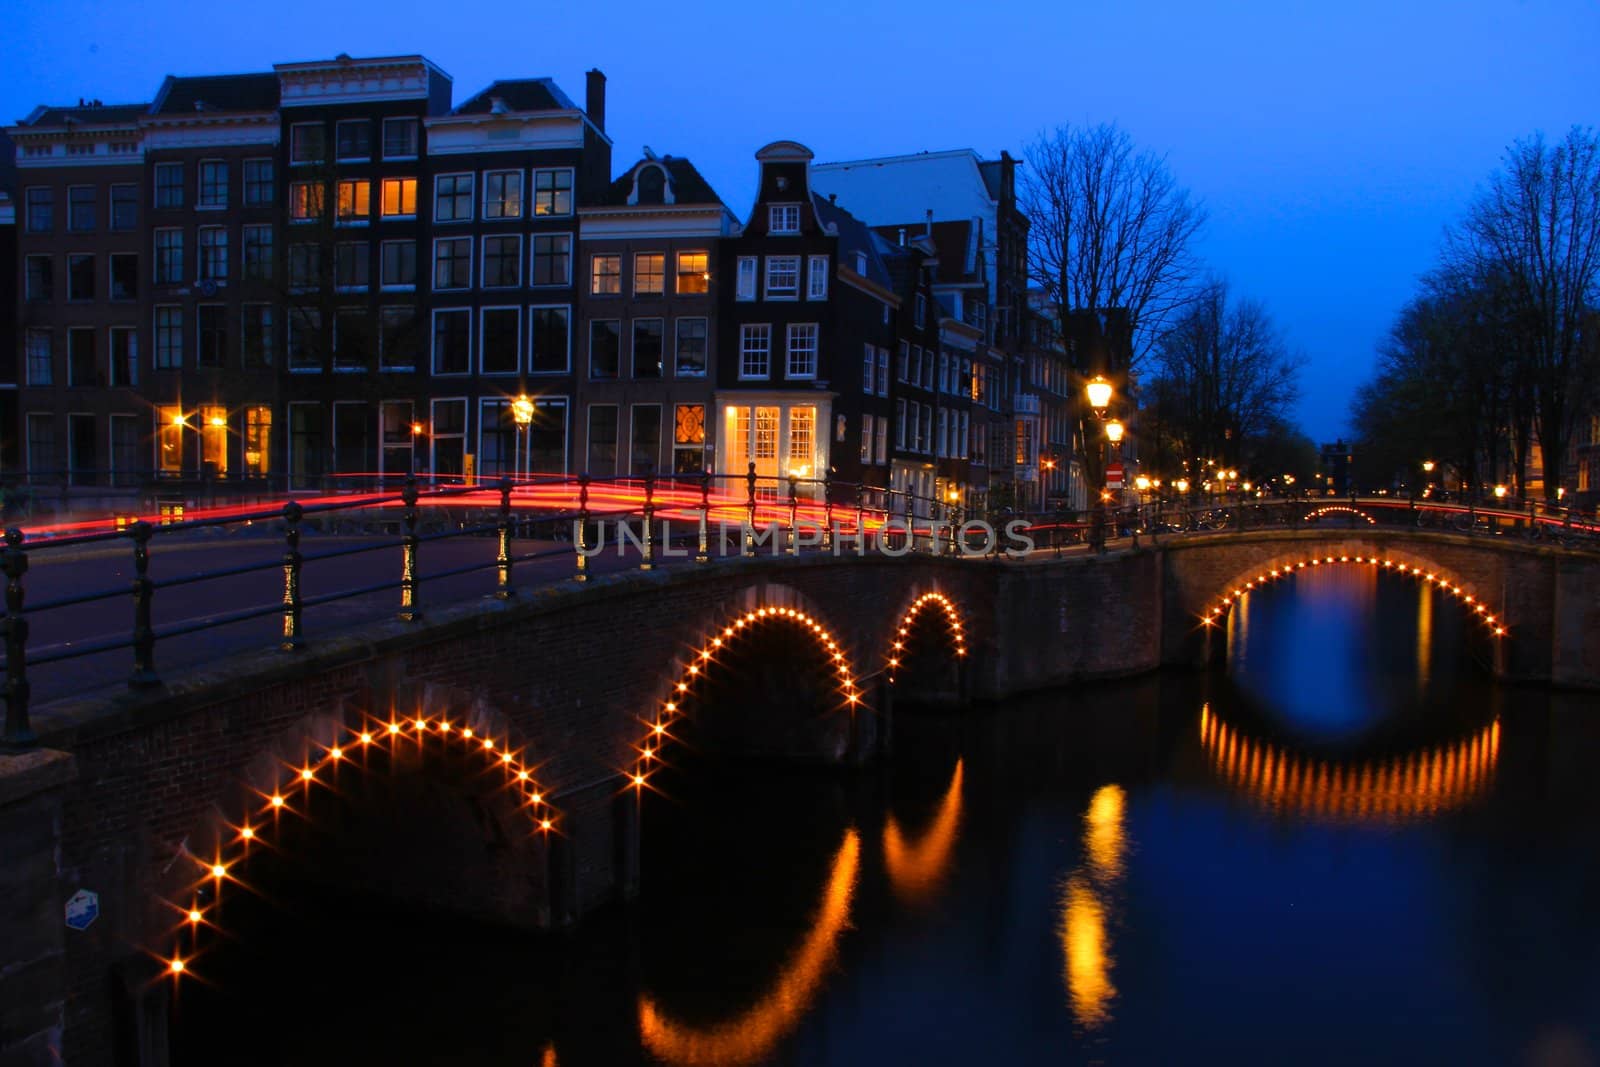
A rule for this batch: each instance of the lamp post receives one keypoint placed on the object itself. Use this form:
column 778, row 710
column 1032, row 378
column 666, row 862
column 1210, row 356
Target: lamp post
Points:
column 522, row 412
column 416, row 435
column 1098, row 392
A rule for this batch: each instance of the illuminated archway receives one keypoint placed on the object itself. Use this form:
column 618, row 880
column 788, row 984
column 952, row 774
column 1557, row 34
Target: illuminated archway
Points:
column 902, row 631
column 1472, row 603
column 1415, row 785
column 1340, row 509
column 752, row 1036
column 288, row 791
column 917, row 867
column 700, row 660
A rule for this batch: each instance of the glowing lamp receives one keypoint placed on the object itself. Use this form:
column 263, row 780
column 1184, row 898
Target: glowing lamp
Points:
column 1500, row 492
column 175, row 966
column 177, row 420
column 1427, row 465
column 1141, row 483
column 522, row 411
column 194, row 915
column 1181, row 485
column 277, row 801
column 1114, row 431
column 218, row 421
column 1099, row 393
column 218, row 870
column 247, row 833
column 416, row 429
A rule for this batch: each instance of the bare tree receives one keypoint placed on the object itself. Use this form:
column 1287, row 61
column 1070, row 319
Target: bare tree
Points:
column 1224, row 375
column 1537, row 227
column 1110, row 228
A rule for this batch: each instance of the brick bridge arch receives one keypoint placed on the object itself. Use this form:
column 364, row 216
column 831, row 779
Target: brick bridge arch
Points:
column 1515, row 591
column 480, row 778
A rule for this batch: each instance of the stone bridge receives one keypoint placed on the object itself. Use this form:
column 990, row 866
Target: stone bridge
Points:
column 490, row 757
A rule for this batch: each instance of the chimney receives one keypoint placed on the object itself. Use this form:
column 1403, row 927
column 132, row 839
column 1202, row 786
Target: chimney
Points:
column 928, row 230
column 594, row 98
column 902, row 236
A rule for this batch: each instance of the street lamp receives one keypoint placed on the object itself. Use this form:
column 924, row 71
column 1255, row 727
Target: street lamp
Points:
column 1499, row 492
column 522, row 412
column 1427, row 466
column 416, row 435
column 1099, row 393
column 1114, row 431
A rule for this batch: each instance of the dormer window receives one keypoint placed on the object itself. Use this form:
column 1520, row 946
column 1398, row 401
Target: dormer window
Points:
column 652, row 186
column 783, row 218
column 861, row 264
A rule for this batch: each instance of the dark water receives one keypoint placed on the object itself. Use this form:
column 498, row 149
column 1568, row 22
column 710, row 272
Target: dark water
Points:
column 1349, row 847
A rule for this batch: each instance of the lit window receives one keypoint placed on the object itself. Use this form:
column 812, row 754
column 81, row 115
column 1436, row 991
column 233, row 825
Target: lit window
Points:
column 306, row 200
column 399, row 197
column 169, row 438
column 214, row 439
column 257, row 441
column 802, row 439
column 605, row 275
column 688, row 439
column 354, row 201
column 694, row 272
column 552, row 192
column 649, row 274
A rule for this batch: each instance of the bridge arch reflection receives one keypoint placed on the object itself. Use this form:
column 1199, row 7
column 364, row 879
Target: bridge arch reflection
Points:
column 1416, row 784
column 917, row 867
column 752, row 1036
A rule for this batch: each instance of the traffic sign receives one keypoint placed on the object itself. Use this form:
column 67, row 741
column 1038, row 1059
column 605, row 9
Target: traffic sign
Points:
column 82, row 909
column 1114, row 476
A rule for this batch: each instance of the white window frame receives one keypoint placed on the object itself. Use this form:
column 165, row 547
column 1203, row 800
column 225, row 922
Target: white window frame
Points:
column 352, row 159
column 662, row 274
column 900, row 424
column 769, row 293
column 533, row 256
column 533, row 193
column 883, row 371
column 433, row 265
column 472, row 198
column 816, row 277
column 793, row 330
column 399, row 216
column 397, row 287
column 483, row 260
column 677, row 339
column 384, row 134
column 748, row 275
column 202, row 271
column 779, row 216
column 483, row 196
column 869, row 370
column 746, row 333
column 294, row 129
column 200, row 203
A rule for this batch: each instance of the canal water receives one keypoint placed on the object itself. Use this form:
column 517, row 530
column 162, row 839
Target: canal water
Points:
column 1348, row 846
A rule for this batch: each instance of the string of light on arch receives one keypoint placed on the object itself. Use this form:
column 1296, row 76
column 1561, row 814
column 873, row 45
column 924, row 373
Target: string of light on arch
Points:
column 698, row 661
column 1476, row 605
column 291, row 796
column 903, row 628
column 1341, row 509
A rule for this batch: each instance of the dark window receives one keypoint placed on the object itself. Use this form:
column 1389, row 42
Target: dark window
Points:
column 354, row 138
column 124, row 276
column 399, row 138
column 305, row 339
column 257, row 182
column 547, row 437
column 399, row 264
column 691, row 357
column 306, row 446
column 452, row 341
column 308, row 143
column 452, row 263
column 352, row 339
column 398, row 341
column 124, row 207
column 213, row 335
column 213, row 190
column 258, row 253
column 502, row 260
column 169, row 257
column 40, row 356
column 352, row 265
column 80, row 277
column 502, row 194
column 647, row 348
column 169, row 338
column 169, row 185
column 549, row 329
column 603, row 440
column 124, row 356
column 80, row 208
column 350, row 439
column 499, row 340
column 258, row 335
column 605, row 344
column 41, row 210
column 452, row 198
column 652, row 186
column 39, row 285
column 646, row 450
column 552, row 259
column 81, row 358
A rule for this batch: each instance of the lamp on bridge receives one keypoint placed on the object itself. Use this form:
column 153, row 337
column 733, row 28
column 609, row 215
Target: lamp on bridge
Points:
column 1499, row 492
column 522, row 412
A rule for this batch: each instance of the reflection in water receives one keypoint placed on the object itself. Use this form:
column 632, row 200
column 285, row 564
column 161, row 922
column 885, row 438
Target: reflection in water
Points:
column 1424, row 638
column 754, row 1034
column 1085, row 907
column 915, row 870
column 549, row 1057
column 1417, row 784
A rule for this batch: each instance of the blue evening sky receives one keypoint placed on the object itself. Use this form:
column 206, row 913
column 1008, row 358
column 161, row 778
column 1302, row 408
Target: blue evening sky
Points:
column 1331, row 142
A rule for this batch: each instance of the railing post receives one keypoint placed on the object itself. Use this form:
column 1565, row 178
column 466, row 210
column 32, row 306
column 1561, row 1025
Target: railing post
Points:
column 827, row 511
column 503, row 589
column 292, row 641
column 409, row 611
column 861, row 518
column 648, row 561
column 749, row 547
column 144, row 634
column 582, row 530
column 794, row 507
column 19, row 734
column 704, row 555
